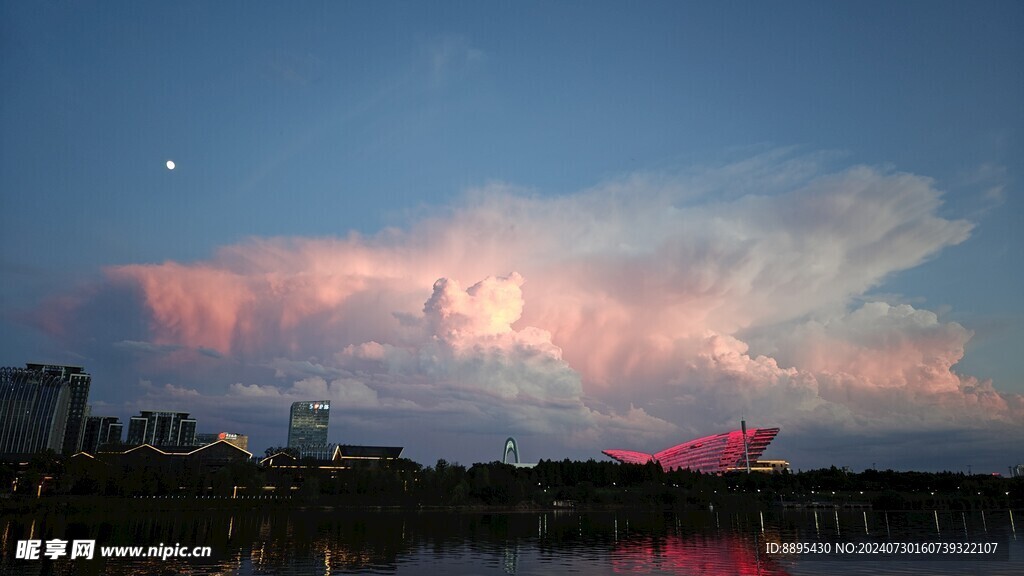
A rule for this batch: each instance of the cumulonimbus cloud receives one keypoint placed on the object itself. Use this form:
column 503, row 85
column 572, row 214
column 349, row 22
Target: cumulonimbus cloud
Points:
column 620, row 308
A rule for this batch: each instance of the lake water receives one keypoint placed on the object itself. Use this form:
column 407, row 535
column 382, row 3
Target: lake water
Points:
column 345, row 541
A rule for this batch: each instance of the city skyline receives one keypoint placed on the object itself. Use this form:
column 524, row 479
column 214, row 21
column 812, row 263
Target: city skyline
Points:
column 580, row 225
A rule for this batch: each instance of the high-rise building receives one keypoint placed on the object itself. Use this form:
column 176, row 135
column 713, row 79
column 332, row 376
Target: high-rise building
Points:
column 33, row 411
column 114, row 433
column 78, row 381
column 308, row 423
column 100, row 431
column 43, row 406
column 162, row 429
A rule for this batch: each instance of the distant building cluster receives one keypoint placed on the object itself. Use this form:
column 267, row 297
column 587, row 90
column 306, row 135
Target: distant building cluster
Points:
column 44, row 407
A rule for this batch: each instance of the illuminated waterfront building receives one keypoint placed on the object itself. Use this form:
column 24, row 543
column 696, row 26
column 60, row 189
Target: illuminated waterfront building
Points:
column 713, row 454
column 174, row 459
column 334, row 457
column 768, row 466
column 307, row 424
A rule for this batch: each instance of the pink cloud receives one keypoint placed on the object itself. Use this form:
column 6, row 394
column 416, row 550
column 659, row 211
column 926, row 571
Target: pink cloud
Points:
column 192, row 305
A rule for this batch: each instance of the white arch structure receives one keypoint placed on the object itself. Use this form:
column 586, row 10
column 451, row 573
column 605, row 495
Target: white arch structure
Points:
column 510, row 446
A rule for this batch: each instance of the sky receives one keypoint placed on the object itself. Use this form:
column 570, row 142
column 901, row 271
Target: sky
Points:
column 587, row 225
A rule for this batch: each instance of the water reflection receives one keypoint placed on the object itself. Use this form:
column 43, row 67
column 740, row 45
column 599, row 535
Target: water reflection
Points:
column 703, row 554
column 339, row 541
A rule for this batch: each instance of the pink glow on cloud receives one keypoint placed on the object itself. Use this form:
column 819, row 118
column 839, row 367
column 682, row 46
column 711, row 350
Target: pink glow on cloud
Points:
column 632, row 296
column 191, row 305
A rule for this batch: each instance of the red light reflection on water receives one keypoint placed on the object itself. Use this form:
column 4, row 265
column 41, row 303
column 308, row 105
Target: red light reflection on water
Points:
column 696, row 554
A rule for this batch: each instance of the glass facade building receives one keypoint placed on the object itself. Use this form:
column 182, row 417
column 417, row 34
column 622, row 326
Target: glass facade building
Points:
column 33, row 411
column 78, row 382
column 43, row 406
column 307, row 425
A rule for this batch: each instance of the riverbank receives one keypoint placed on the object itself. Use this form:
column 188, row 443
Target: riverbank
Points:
column 732, row 503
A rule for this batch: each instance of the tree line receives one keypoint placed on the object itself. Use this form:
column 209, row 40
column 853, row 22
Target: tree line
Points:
column 403, row 482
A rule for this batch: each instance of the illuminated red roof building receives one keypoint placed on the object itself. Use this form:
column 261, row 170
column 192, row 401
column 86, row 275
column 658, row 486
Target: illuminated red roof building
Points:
column 712, row 454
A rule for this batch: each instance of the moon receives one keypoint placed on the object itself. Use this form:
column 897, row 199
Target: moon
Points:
column 170, row 164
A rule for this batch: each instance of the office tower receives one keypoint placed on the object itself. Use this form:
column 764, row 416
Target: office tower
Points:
column 162, row 429
column 307, row 425
column 78, row 381
column 33, row 411
column 114, row 433
column 100, row 431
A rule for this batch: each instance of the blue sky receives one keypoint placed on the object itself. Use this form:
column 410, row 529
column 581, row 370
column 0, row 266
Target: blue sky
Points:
column 315, row 121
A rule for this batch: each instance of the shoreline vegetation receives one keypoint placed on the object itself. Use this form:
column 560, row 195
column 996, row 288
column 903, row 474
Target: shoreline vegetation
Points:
column 83, row 484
